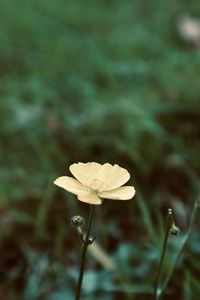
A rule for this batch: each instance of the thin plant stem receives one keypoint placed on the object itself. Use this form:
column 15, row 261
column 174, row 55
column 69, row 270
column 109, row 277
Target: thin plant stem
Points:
column 84, row 250
column 170, row 221
column 192, row 220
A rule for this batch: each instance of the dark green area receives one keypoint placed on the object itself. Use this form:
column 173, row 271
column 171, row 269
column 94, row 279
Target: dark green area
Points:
column 105, row 81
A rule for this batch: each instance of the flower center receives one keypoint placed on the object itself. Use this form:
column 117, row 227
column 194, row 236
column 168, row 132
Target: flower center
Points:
column 97, row 185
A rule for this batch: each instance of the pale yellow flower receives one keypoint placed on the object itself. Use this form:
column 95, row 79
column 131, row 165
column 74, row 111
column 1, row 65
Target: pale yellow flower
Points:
column 95, row 181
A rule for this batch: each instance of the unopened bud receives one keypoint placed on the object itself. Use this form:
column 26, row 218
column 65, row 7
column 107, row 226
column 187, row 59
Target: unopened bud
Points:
column 174, row 230
column 91, row 240
column 77, row 221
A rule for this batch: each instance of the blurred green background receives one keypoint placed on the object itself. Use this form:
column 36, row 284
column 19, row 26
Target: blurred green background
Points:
column 106, row 81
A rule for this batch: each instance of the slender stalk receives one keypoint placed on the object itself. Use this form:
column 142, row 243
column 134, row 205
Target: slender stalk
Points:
column 170, row 221
column 84, row 250
column 192, row 220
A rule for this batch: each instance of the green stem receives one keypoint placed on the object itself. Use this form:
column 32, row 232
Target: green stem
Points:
column 84, row 250
column 192, row 220
column 169, row 223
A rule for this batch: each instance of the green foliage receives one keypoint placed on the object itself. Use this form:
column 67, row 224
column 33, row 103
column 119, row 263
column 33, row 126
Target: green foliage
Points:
column 94, row 80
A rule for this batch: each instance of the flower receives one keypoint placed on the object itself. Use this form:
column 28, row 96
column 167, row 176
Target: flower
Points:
column 95, row 181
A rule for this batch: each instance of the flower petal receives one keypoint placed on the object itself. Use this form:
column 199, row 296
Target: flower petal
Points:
column 99, row 177
column 112, row 177
column 121, row 193
column 90, row 198
column 85, row 172
column 71, row 185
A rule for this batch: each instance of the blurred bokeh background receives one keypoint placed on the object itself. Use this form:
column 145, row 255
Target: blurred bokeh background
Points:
column 106, row 81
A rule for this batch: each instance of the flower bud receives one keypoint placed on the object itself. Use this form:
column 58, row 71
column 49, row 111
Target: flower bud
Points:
column 91, row 240
column 174, row 230
column 77, row 221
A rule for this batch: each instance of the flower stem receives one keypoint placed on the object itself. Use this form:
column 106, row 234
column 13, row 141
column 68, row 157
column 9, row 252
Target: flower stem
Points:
column 84, row 250
column 192, row 220
column 170, row 221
